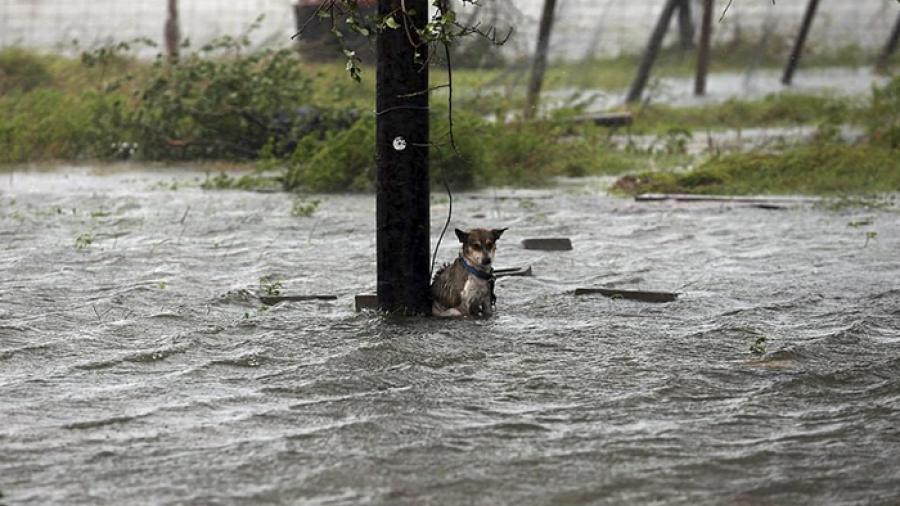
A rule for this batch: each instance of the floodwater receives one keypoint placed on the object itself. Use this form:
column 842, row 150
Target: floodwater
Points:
column 845, row 82
column 141, row 369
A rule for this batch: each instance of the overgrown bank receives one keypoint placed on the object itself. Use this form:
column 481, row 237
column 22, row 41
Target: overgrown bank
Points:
column 304, row 122
column 828, row 165
column 307, row 127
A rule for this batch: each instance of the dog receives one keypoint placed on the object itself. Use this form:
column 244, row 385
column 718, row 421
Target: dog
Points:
column 465, row 287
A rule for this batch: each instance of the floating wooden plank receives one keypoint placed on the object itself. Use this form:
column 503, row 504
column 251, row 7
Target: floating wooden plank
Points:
column 746, row 199
column 606, row 119
column 513, row 271
column 639, row 295
column 771, row 207
column 271, row 300
column 548, row 243
column 524, row 196
column 366, row 301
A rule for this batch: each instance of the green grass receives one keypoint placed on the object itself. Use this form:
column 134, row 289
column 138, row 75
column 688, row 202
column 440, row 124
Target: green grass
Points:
column 814, row 169
column 46, row 123
column 783, row 109
column 58, row 108
column 488, row 154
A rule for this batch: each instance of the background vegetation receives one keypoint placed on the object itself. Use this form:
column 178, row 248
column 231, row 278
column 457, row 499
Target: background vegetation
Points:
column 307, row 127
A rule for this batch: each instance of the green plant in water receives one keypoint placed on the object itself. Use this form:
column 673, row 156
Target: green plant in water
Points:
column 527, row 204
column 303, row 208
column 860, row 223
column 84, row 240
column 270, row 285
column 223, row 181
column 675, row 141
column 759, row 346
column 870, row 236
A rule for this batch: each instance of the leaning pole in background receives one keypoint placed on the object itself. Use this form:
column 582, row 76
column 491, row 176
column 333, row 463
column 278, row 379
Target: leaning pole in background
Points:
column 402, row 190
column 172, row 32
column 794, row 59
column 685, row 25
column 891, row 46
column 653, row 46
column 703, row 49
column 539, row 65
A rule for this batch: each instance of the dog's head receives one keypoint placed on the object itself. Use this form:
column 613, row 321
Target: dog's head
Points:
column 479, row 246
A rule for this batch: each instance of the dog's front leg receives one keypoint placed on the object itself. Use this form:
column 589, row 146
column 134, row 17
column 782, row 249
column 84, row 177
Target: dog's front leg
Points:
column 449, row 312
column 486, row 309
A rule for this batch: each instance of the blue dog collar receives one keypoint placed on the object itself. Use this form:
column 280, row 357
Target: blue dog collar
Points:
column 487, row 276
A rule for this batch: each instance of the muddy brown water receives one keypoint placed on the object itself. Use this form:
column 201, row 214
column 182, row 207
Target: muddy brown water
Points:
column 140, row 368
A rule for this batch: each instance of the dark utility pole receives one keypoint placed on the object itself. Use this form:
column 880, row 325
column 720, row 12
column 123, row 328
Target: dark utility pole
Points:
column 172, row 33
column 703, row 50
column 656, row 40
column 539, row 66
column 401, row 138
column 798, row 44
column 891, row 46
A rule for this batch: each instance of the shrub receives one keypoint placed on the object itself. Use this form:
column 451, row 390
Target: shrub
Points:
column 336, row 161
column 883, row 118
column 22, row 70
column 225, row 107
column 221, row 101
column 46, row 124
column 345, row 159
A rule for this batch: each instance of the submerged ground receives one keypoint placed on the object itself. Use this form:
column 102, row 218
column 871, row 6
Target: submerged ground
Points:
column 137, row 366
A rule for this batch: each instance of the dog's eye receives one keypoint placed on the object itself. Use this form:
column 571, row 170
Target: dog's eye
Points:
column 476, row 247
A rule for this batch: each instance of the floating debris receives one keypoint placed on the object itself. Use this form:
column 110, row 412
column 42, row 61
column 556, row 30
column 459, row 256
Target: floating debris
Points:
column 639, row 295
column 271, row 300
column 548, row 244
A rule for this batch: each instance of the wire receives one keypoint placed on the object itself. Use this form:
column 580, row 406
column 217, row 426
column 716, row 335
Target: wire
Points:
column 446, row 224
column 455, row 150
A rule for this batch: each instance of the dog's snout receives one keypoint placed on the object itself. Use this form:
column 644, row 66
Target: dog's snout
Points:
column 486, row 260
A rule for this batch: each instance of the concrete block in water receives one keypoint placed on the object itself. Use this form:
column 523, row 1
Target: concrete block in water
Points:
column 366, row 301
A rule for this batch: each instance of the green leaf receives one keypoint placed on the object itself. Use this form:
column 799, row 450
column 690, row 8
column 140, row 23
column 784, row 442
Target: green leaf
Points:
column 449, row 17
column 392, row 23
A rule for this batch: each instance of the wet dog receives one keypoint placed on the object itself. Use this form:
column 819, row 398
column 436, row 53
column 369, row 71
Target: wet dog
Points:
column 465, row 287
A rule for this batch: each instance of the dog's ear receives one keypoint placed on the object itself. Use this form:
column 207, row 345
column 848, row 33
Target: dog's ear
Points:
column 497, row 232
column 463, row 236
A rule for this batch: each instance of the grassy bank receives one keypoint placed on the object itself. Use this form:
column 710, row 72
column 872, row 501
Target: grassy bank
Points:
column 817, row 170
column 784, row 109
column 828, row 165
column 309, row 127
column 307, row 122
